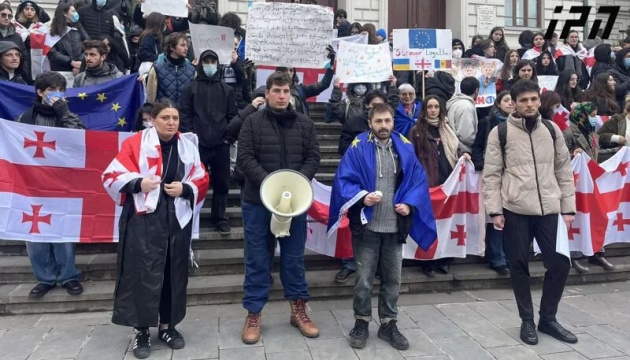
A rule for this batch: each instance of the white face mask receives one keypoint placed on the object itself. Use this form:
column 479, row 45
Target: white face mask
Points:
column 457, row 54
column 360, row 90
column 147, row 125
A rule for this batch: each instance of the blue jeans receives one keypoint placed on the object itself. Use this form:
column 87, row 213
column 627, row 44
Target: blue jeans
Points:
column 256, row 220
column 494, row 247
column 371, row 250
column 52, row 263
column 349, row 264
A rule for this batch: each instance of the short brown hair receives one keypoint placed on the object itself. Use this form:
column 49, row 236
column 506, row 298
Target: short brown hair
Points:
column 95, row 44
column 278, row 78
column 172, row 40
column 380, row 108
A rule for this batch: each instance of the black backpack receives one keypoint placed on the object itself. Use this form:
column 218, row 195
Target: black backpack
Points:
column 502, row 129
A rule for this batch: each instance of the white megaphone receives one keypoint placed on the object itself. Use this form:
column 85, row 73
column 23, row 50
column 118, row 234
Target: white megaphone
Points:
column 286, row 193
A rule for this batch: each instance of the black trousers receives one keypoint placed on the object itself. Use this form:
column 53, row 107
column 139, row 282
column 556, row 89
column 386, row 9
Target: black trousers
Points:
column 519, row 233
column 166, row 294
column 217, row 162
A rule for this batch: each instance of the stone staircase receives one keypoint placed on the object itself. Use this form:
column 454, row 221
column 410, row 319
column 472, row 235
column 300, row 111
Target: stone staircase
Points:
column 219, row 277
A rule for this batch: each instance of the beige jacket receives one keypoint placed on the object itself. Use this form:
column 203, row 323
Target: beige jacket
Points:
column 533, row 180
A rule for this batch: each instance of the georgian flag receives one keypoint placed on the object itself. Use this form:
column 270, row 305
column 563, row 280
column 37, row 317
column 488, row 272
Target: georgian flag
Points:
column 41, row 43
column 531, row 54
column 561, row 118
column 457, row 207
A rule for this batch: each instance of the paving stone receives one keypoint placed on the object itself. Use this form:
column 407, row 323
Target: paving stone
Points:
column 403, row 321
column 280, row 336
column 345, row 319
column 202, row 339
column 62, row 343
column 291, row 355
column 463, row 348
column 379, row 354
column 496, row 313
column 156, row 354
column 568, row 314
column 19, row 321
column 18, row 344
column 330, row 349
column 593, row 348
column 564, row 356
column 106, row 342
column 610, row 316
column 614, row 300
column 546, row 344
column 466, row 318
column 230, row 329
column 328, row 326
column 491, row 294
column 5, row 291
column 430, row 357
column 419, row 344
column 72, row 320
column 434, row 298
column 433, row 322
column 518, row 352
column 492, row 338
column 246, row 353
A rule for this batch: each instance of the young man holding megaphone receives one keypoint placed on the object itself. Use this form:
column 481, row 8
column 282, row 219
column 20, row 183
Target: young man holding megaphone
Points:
column 278, row 155
column 384, row 189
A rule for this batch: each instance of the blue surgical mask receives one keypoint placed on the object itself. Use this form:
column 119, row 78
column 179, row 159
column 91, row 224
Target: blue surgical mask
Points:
column 75, row 17
column 626, row 62
column 592, row 120
column 209, row 69
column 53, row 94
column 612, row 55
column 100, row 3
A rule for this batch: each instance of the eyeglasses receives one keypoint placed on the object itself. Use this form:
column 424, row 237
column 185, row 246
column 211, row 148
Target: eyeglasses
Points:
column 6, row 16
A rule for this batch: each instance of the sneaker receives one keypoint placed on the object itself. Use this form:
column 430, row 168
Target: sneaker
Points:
column 223, row 228
column 172, row 338
column 343, row 275
column 142, row 345
column 359, row 334
column 40, row 290
column 73, row 287
column 553, row 328
column 389, row 332
column 528, row 332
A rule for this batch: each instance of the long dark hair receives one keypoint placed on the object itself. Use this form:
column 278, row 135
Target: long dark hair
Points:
column 521, row 64
column 545, row 46
column 154, row 26
column 164, row 103
column 548, row 100
column 420, row 130
column 567, row 95
column 602, row 93
column 501, row 43
column 60, row 22
column 496, row 108
column 506, row 71
column 371, row 30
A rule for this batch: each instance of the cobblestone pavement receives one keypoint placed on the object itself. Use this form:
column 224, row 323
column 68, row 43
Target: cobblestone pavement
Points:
column 468, row 325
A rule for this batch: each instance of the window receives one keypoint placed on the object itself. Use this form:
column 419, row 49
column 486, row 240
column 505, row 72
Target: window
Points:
column 522, row 13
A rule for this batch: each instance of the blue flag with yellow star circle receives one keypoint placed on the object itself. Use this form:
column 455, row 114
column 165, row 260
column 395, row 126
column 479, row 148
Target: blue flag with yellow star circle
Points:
column 108, row 106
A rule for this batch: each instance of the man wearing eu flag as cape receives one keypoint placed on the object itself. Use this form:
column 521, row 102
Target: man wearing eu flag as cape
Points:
column 383, row 188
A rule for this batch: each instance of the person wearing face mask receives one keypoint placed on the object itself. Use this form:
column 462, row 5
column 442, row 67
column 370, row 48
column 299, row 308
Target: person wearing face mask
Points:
column 458, row 48
column 52, row 263
column 67, row 53
column 621, row 74
column 143, row 117
column 343, row 110
column 207, row 106
column 168, row 77
column 97, row 20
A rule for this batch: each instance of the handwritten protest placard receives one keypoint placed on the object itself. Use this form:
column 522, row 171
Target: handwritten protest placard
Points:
column 363, row 63
column 286, row 34
column 175, row 8
column 357, row 39
column 219, row 39
column 547, row 82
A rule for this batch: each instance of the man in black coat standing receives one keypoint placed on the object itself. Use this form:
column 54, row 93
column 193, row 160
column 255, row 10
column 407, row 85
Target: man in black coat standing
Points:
column 96, row 19
column 275, row 138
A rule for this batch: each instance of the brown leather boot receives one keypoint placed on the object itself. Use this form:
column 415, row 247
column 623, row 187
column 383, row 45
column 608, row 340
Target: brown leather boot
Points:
column 300, row 319
column 251, row 329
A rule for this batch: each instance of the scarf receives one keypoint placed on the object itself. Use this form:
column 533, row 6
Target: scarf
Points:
column 579, row 117
column 448, row 138
column 566, row 49
column 284, row 118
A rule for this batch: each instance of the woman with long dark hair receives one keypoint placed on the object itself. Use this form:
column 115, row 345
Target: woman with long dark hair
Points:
column 545, row 65
column 568, row 88
column 436, row 146
column 549, row 103
column 524, row 69
column 507, row 71
column 370, row 29
column 67, row 53
column 497, row 35
column 571, row 59
column 602, row 94
column 356, row 28
column 155, row 227
column 151, row 38
column 475, row 41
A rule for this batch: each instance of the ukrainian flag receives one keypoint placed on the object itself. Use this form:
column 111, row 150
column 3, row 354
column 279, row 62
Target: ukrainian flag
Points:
column 401, row 64
column 442, row 64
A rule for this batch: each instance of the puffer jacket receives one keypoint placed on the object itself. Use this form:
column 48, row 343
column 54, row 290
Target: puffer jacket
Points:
column 621, row 74
column 95, row 21
column 535, row 179
column 102, row 74
column 268, row 143
column 68, row 49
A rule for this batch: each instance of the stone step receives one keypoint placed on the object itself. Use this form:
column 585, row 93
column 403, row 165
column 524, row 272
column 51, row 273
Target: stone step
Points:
column 225, row 289
column 329, row 140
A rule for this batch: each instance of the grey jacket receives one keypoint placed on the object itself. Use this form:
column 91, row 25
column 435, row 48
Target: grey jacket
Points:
column 462, row 117
column 103, row 74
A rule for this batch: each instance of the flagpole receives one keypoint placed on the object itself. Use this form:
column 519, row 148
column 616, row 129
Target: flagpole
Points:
column 423, row 75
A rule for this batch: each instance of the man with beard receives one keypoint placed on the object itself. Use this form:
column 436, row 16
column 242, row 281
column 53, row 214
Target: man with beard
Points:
column 382, row 184
column 97, row 70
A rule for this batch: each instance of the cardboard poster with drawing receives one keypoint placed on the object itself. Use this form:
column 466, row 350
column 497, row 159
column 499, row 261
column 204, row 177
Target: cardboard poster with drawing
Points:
column 359, row 63
column 487, row 71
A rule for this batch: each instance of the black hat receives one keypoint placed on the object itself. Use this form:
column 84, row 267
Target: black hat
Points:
column 29, row 3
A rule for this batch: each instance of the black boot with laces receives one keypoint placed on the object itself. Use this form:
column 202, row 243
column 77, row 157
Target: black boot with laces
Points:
column 359, row 335
column 142, row 344
column 172, row 338
column 389, row 332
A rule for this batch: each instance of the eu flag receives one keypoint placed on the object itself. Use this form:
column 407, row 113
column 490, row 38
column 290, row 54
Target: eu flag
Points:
column 356, row 177
column 422, row 39
column 108, row 106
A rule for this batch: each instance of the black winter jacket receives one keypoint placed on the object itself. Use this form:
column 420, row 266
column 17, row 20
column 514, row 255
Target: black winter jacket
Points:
column 95, row 21
column 17, row 78
column 149, row 48
column 25, row 64
column 57, row 115
column 271, row 141
column 207, row 106
column 621, row 74
column 68, row 49
column 481, row 140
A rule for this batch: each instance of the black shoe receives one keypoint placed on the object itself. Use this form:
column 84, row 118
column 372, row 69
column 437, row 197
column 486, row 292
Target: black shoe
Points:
column 503, row 270
column 554, row 329
column 223, row 228
column 429, row 272
column 600, row 260
column 528, row 332
column 40, row 290
column 444, row 268
column 73, row 287
column 343, row 275
column 389, row 332
column 579, row 267
column 359, row 334
column 172, row 338
column 142, row 345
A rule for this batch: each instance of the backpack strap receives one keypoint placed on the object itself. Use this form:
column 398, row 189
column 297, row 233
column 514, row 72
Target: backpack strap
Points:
column 552, row 131
column 502, row 129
